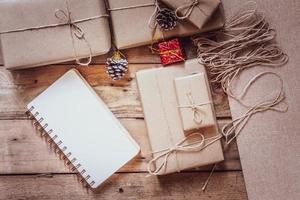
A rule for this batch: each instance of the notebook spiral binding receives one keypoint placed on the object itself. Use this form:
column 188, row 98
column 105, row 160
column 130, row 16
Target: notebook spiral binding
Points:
column 59, row 148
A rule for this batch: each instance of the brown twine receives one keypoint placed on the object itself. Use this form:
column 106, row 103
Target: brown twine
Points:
column 198, row 145
column 181, row 146
column 231, row 130
column 245, row 41
column 65, row 20
column 187, row 9
column 195, row 107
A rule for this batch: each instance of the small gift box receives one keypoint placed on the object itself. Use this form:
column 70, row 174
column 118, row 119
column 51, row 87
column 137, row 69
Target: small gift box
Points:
column 41, row 32
column 194, row 102
column 196, row 11
column 133, row 23
column 173, row 150
column 171, row 52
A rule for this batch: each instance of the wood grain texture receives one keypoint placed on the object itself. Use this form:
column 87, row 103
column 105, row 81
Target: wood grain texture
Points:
column 138, row 55
column 22, row 150
column 30, row 170
column 183, row 186
column 18, row 88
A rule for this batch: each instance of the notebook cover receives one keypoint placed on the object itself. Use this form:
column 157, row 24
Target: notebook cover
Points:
column 83, row 128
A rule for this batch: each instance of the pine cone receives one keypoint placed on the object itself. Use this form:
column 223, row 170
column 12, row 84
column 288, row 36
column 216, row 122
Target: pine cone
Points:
column 116, row 68
column 166, row 19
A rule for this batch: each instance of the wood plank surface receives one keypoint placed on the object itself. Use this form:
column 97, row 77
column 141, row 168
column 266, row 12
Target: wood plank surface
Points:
column 30, row 170
column 22, row 150
column 183, row 186
column 138, row 55
column 19, row 87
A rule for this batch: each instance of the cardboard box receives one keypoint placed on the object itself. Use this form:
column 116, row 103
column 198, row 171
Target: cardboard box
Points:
column 31, row 36
column 158, row 96
column 194, row 102
column 131, row 28
column 200, row 11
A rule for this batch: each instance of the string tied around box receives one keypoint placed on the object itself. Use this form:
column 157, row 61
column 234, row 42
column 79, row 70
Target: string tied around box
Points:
column 173, row 52
column 195, row 107
column 187, row 9
column 74, row 30
column 194, row 142
column 64, row 16
column 182, row 146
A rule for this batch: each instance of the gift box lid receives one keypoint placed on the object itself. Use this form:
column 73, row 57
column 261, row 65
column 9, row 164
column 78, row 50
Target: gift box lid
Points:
column 196, row 11
column 35, row 33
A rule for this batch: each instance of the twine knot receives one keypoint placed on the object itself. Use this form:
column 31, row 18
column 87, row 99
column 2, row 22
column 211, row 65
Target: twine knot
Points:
column 196, row 108
column 197, row 145
column 65, row 17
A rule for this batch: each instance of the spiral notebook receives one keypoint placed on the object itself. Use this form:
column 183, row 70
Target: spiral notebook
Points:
column 85, row 131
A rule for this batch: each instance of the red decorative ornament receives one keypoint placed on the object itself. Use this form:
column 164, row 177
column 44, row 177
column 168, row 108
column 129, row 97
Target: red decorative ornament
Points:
column 171, row 52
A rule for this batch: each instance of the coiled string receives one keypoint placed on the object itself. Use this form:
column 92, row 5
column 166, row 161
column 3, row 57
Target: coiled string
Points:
column 245, row 41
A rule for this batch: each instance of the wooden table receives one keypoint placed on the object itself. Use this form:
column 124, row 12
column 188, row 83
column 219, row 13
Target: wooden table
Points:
column 30, row 170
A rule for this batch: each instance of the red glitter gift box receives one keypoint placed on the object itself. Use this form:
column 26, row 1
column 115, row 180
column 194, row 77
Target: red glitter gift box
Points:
column 171, row 52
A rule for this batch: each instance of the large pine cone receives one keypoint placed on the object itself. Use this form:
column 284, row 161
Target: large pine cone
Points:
column 166, row 19
column 116, row 68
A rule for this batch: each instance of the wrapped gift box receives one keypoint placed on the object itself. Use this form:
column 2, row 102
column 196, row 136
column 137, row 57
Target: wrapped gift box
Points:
column 158, row 96
column 32, row 35
column 200, row 10
column 131, row 28
column 194, row 102
column 171, row 52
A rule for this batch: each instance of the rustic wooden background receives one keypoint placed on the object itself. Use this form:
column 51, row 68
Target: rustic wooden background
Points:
column 30, row 170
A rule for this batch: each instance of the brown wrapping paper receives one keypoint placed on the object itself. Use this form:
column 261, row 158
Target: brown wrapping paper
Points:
column 192, row 91
column 131, row 29
column 49, row 45
column 200, row 10
column 269, row 144
column 158, row 96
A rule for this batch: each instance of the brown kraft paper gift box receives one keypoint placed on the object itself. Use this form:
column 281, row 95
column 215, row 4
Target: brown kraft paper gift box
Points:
column 131, row 28
column 194, row 102
column 158, row 96
column 200, row 10
column 31, row 37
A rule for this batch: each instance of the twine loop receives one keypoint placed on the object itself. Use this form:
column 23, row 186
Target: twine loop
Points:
column 65, row 17
column 231, row 130
column 180, row 146
column 187, row 9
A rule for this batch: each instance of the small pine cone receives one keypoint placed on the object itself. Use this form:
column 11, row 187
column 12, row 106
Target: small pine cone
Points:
column 116, row 68
column 166, row 19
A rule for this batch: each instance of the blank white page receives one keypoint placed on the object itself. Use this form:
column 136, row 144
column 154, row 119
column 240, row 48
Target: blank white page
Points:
column 85, row 127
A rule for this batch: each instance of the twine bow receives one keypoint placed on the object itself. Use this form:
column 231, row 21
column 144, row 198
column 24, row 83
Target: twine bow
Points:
column 198, row 145
column 196, row 108
column 180, row 146
column 187, row 9
column 65, row 17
